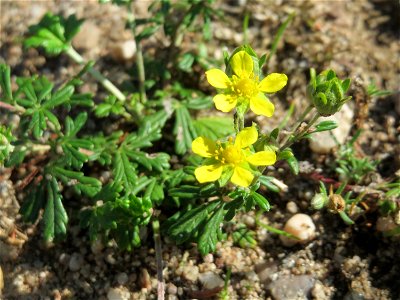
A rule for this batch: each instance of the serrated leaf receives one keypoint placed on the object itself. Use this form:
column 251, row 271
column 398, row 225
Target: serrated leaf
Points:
column 33, row 203
column 209, row 237
column 89, row 186
column 55, row 217
column 184, row 130
column 53, row 33
column 187, row 225
column 124, row 171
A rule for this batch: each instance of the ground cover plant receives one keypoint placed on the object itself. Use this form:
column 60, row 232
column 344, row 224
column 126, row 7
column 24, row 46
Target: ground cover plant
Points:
column 181, row 151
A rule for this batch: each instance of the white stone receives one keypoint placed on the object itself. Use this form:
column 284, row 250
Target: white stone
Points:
column 301, row 226
column 190, row 273
column 210, row 280
column 88, row 37
column 122, row 278
column 124, row 51
column 323, row 142
column 292, row 207
column 118, row 294
column 75, row 262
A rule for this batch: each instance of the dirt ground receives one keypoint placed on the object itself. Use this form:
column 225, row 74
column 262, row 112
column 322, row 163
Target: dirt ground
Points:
column 358, row 39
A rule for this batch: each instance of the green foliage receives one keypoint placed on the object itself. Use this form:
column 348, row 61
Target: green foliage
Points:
column 110, row 106
column 54, row 33
column 6, row 148
column 46, row 196
column 244, row 237
column 374, row 91
column 118, row 216
column 350, row 166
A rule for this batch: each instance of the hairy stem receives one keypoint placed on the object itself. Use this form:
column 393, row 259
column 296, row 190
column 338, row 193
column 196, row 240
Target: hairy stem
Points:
column 107, row 84
column 139, row 55
column 12, row 107
column 157, row 244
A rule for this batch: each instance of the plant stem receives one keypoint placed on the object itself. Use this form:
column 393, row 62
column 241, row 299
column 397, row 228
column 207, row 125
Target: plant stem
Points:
column 296, row 126
column 107, row 84
column 12, row 107
column 139, row 55
column 157, row 246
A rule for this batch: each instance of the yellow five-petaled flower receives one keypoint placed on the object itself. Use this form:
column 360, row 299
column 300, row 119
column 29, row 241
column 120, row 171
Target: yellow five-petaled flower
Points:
column 233, row 158
column 244, row 86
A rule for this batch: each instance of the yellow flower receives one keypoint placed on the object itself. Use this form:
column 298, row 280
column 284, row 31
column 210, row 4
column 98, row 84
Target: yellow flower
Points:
column 233, row 159
column 244, row 87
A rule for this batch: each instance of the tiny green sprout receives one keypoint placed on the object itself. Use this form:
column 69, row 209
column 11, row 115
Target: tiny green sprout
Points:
column 327, row 92
column 5, row 143
column 319, row 201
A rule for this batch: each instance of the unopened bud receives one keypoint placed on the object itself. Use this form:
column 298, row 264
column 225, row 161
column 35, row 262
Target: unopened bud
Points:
column 319, row 201
column 327, row 92
column 336, row 203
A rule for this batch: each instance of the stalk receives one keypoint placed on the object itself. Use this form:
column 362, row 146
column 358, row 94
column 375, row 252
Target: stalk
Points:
column 107, row 84
column 139, row 55
column 157, row 246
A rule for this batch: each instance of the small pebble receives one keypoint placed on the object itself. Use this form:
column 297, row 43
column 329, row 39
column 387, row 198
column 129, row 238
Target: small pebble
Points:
column 124, row 51
column 172, row 289
column 144, row 279
column 292, row 207
column 301, row 226
column 122, row 278
column 291, row 287
column 118, row 294
column 190, row 273
column 210, row 280
column 75, row 262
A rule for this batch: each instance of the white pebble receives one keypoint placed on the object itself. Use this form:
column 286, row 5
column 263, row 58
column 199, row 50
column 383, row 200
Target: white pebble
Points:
column 292, row 207
column 301, row 226
column 118, row 294
column 210, row 280
column 122, row 278
column 75, row 262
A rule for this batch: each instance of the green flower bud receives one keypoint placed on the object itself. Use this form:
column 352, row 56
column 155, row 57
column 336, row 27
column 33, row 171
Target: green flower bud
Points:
column 327, row 92
column 319, row 201
column 5, row 147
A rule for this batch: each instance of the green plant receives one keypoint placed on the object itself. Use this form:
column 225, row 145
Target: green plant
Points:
column 145, row 156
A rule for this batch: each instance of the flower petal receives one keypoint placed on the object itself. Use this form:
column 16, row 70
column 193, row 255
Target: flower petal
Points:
column 242, row 177
column 242, row 64
column 204, row 147
column 224, row 103
column 261, row 105
column 208, row 173
column 273, row 83
column 262, row 158
column 246, row 137
column 217, row 78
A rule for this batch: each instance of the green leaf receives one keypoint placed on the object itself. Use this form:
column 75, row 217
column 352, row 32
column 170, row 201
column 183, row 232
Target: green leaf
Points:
column 186, row 61
column 244, row 237
column 325, row 126
column 5, row 83
column 55, row 217
column 293, row 164
column 81, row 184
column 6, row 148
column 261, row 201
column 53, row 33
column 33, row 203
column 124, row 171
column 184, row 130
column 209, row 237
column 147, row 32
column 191, row 222
column 214, row 127
column 266, row 181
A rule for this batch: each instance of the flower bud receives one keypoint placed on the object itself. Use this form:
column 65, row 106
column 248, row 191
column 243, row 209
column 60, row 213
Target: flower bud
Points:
column 319, row 201
column 327, row 92
column 336, row 203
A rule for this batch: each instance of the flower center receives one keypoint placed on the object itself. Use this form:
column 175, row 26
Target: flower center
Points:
column 246, row 87
column 232, row 155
